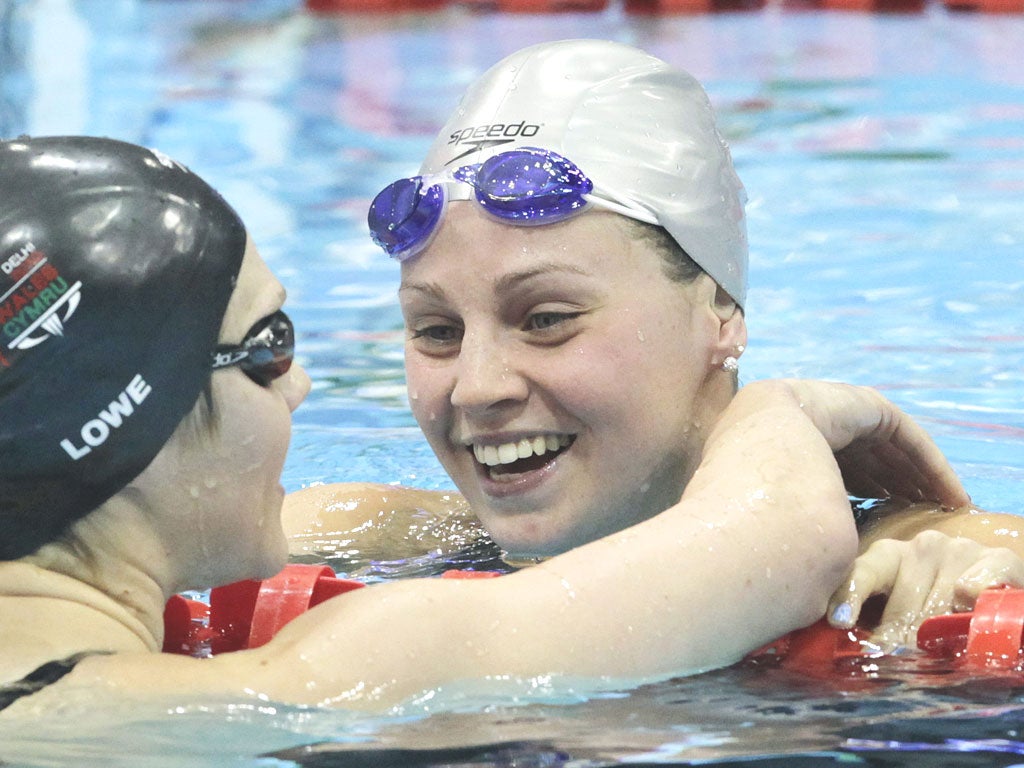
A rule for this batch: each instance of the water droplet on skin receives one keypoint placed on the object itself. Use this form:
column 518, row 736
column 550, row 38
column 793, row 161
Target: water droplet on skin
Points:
column 640, row 335
column 569, row 589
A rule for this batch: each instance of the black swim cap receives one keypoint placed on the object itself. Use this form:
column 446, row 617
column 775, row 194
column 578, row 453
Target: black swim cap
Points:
column 116, row 266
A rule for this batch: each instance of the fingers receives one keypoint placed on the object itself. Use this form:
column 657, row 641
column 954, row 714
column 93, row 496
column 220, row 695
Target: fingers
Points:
column 965, row 570
column 897, row 457
column 930, row 575
column 932, row 472
column 885, row 469
column 863, row 475
column 917, row 595
column 873, row 573
column 999, row 567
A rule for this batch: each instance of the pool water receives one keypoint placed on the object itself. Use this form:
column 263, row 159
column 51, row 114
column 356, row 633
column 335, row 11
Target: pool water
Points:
column 884, row 159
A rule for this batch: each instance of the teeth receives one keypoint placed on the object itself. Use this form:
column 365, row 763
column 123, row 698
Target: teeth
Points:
column 506, row 453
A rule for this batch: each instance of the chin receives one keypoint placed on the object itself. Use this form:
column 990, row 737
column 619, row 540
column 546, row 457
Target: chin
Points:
column 275, row 557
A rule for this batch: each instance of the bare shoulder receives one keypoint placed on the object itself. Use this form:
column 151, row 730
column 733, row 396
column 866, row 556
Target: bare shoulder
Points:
column 344, row 506
column 896, row 519
column 383, row 520
column 341, row 497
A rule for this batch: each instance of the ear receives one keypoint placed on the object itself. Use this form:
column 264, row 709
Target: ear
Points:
column 732, row 331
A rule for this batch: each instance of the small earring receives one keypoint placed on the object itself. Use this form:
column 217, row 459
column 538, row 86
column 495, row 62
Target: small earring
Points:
column 730, row 364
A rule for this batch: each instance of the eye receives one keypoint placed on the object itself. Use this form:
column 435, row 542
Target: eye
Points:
column 542, row 321
column 436, row 337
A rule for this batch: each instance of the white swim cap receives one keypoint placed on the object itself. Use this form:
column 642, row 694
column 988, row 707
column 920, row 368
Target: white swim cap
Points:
column 633, row 124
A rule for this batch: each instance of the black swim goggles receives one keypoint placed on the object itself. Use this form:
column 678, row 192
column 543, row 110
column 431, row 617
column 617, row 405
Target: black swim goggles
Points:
column 265, row 353
column 525, row 186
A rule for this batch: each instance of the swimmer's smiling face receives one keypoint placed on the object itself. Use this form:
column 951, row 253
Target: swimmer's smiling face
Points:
column 564, row 381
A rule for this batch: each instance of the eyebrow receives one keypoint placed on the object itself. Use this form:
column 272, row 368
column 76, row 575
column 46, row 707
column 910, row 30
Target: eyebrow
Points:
column 504, row 283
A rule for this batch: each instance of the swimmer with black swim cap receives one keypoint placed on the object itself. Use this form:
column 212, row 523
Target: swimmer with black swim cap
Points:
column 116, row 266
column 146, row 391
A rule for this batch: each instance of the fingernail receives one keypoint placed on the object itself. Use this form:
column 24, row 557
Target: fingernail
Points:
column 842, row 614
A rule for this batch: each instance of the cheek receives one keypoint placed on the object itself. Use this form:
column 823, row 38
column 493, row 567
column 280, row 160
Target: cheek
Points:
column 429, row 388
column 600, row 373
column 254, row 429
column 636, row 380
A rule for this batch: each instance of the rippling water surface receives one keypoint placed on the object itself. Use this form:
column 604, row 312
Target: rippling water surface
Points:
column 884, row 159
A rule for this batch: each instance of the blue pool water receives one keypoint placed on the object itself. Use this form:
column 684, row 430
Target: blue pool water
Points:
column 884, row 159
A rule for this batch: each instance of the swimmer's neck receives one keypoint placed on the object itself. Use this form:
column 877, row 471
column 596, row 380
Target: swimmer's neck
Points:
column 50, row 616
column 110, row 571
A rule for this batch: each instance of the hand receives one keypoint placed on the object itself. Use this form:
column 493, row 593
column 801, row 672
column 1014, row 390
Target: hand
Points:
column 930, row 575
column 881, row 451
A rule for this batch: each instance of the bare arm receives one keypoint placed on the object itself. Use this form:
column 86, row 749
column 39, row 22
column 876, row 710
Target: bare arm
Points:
column 928, row 557
column 765, row 522
column 902, row 521
column 354, row 523
column 926, row 574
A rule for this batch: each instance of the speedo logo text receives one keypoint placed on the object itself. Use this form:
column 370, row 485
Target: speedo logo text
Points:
column 508, row 131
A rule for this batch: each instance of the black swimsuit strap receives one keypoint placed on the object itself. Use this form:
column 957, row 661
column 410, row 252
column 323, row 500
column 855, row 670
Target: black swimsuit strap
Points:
column 38, row 679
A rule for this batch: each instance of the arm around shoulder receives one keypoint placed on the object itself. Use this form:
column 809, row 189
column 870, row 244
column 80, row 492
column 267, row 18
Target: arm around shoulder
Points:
column 682, row 592
column 753, row 550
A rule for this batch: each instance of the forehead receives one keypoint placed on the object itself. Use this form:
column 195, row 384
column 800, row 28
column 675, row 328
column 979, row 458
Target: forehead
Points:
column 471, row 245
column 257, row 294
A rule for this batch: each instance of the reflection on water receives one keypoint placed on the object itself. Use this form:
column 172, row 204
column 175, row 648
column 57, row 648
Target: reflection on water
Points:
column 893, row 711
column 884, row 158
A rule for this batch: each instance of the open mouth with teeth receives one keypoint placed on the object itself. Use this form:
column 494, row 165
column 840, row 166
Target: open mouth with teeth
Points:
column 525, row 455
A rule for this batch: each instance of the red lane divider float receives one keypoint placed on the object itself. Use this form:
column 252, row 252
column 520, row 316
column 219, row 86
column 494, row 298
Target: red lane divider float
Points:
column 990, row 636
column 247, row 614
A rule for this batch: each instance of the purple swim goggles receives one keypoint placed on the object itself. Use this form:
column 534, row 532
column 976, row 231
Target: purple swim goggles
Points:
column 525, row 186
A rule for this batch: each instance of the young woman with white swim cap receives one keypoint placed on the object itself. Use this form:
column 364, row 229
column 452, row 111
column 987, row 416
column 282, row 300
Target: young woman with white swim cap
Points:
column 574, row 272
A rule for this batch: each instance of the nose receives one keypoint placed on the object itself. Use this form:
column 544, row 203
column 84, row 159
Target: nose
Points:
column 294, row 385
column 486, row 375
